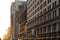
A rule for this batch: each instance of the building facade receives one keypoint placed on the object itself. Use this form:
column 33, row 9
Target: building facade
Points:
column 23, row 24
column 43, row 19
column 18, row 14
column 22, row 19
column 13, row 21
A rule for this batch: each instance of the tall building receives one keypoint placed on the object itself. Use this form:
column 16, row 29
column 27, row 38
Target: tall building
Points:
column 21, row 18
column 13, row 21
column 43, row 19
column 23, row 24
column 17, row 9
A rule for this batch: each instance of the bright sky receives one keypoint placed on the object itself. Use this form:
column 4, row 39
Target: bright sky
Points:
column 4, row 16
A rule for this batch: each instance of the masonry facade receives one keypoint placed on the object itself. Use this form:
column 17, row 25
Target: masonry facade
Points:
column 13, row 20
column 18, row 15
column 43, row 19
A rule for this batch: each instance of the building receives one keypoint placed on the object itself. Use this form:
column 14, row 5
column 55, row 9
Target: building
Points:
column 17, row 9
column 23, row 24
column 13, row 23
column 21, row 17
column 43, row 19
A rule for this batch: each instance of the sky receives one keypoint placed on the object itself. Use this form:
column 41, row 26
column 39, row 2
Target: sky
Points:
column 5, row 16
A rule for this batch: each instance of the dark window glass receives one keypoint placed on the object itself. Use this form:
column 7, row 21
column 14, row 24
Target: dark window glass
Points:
column 44, row 3
column 49, row 8
column 55, row 14
column 35, row 0
column 41, row 13
column 44, row 30
column 59, row 11
column 44, row 10
column 49, row 16
column 37, row 31
column 49, row 1
column 59, row 2
column 59, row 26
column 54, row 27
column 49, row 28
column 53, row 5
column 38, row 9
column 44, row 18
column 41, row 1
column 38, row 2
column 41, row 7
column 40, row 30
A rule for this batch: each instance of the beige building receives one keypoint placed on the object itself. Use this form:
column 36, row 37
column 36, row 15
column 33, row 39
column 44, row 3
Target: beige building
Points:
column 43, row 19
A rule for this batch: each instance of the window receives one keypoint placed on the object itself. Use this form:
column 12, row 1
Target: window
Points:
column 35, row 11
column 49, row 28
column 59, row 11
column 35, row 0
column 41, row 1
column 41, row 13
column 59, row 26
column 32, row 31
column 49, row 8
column 49, row 16
column 37, row 21
column 44, row 10
column 44, row 30
column 59, row 2
column 38, row 14
column 44, row 18
column 44, row 3
column 54, row 4
column 54, row 14
column 49, row 1
column 41, row 19
column 38, row 9
column 41, row 6
column 35, row 5
column 40, row 30
column 54, row 27
column 37, row 31
column 38, row 2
